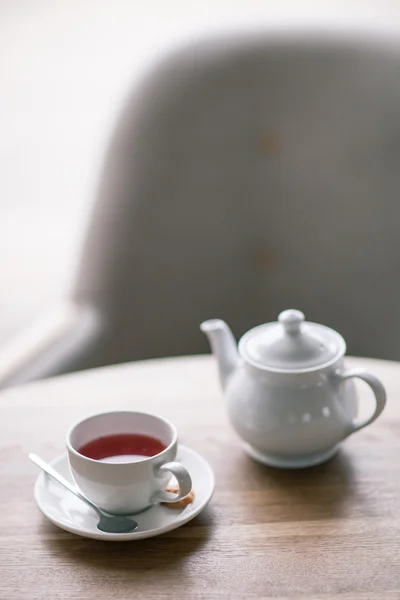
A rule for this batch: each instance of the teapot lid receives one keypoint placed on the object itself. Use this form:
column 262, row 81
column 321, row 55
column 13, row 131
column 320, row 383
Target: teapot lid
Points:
column 291, row 344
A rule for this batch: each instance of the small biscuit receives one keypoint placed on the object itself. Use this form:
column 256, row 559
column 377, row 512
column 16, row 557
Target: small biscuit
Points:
column 174, row 489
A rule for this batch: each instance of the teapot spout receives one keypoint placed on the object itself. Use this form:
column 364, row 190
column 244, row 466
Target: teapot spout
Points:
column 223, row 346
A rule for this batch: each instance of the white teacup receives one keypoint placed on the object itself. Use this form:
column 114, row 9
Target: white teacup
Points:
column 126, row 487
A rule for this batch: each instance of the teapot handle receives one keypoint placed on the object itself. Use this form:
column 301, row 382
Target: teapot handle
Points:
column 379, row 393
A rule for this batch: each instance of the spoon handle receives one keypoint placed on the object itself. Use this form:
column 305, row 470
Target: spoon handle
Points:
column 59, row 478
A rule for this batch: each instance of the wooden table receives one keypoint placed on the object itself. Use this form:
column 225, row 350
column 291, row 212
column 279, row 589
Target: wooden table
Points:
column 331, row 532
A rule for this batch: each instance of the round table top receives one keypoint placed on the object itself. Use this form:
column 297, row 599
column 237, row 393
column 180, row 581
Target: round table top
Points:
column 329, row 532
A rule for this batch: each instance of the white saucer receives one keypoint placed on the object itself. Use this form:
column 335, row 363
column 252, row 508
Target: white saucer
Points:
column 68, row 512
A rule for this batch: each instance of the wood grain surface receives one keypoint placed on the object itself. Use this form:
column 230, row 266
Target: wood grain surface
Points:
column 330, row 532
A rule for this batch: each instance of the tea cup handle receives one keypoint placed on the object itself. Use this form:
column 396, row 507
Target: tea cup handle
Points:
column 184, row 481
column 379, row 393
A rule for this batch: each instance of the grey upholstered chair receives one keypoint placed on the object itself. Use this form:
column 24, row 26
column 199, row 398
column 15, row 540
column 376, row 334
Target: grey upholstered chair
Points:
column 246, row 175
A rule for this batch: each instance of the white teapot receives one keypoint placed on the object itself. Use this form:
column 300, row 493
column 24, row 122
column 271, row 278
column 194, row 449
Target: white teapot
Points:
column 289, row 396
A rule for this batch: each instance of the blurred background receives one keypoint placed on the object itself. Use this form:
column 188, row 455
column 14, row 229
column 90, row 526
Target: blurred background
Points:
column 88, row 277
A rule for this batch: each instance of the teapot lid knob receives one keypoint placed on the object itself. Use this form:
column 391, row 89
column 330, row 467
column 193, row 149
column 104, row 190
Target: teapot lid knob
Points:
column 291, row 320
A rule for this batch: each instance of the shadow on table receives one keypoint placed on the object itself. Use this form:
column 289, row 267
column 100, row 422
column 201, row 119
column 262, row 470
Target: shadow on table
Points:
column 131, row 559
column 322, row 492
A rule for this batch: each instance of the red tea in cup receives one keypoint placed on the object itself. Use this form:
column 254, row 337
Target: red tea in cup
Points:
column 122, row 447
